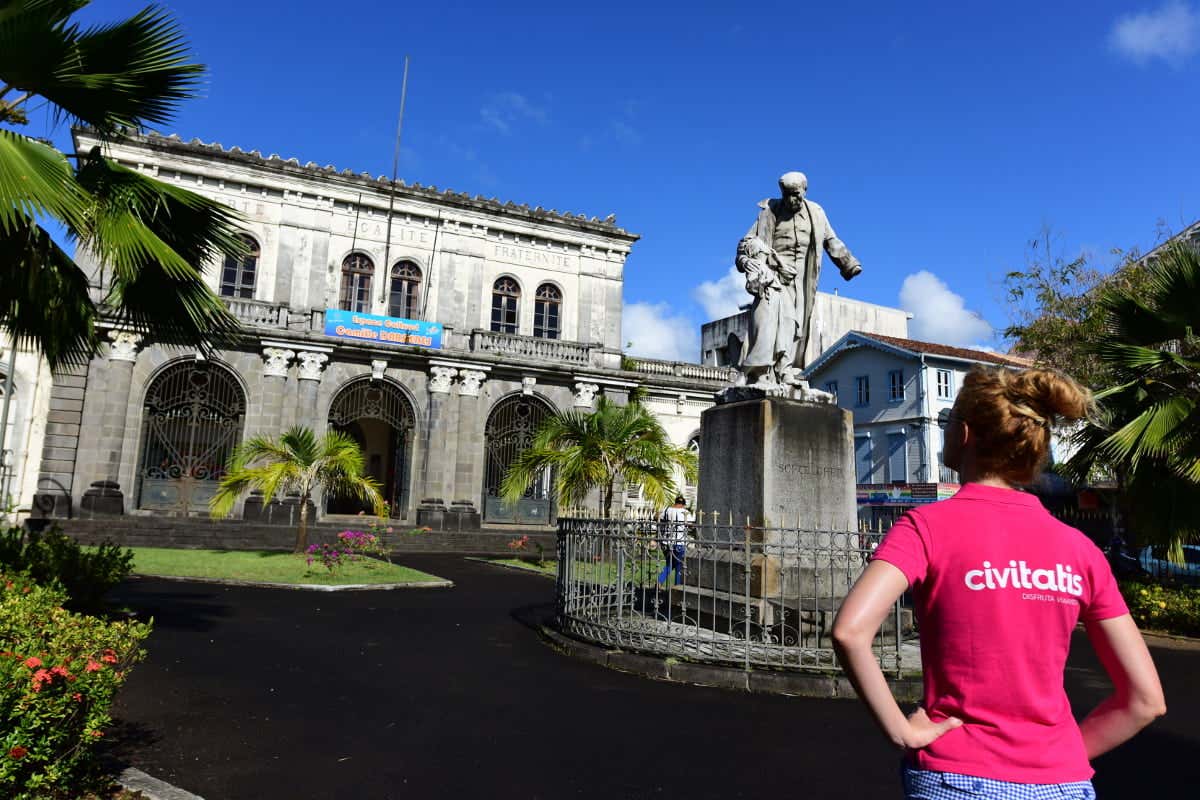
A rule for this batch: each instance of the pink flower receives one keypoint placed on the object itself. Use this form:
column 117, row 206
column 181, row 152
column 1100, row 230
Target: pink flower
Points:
column 33, row 662
column 93, row 666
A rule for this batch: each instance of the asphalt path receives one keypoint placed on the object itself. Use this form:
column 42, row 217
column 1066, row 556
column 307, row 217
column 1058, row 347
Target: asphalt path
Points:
column 256, row 694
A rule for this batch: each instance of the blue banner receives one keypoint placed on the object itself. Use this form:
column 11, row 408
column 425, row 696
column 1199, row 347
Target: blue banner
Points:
column 385, row 330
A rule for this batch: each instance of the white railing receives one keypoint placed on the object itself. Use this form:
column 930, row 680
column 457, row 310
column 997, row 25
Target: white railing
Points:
column 258, row 313
column 682, row 369
column 530, row 347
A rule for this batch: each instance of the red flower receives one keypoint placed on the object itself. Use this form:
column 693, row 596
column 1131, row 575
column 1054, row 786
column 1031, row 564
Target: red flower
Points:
column 77, row 697
column 93, row 666
column 109, row 657
column 61, row 672
column 17, row 752
column 97, row 734
column 33, row 662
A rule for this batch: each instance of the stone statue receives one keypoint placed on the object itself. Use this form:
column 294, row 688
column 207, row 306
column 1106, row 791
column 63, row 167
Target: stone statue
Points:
column 781, row 258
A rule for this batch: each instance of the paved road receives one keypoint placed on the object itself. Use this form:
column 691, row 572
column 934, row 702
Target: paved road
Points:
column 255, row 694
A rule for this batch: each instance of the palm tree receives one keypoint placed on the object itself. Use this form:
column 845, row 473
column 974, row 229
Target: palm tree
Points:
column 589, row 450
column 1149, row 427
column 154, row 238
column 296, row 463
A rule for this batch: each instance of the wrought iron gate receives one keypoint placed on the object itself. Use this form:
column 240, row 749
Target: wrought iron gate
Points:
column 191, row 422
column 510, row 430
column 370, row 399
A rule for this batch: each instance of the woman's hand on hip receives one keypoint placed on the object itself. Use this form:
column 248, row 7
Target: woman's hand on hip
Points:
column 922, row 731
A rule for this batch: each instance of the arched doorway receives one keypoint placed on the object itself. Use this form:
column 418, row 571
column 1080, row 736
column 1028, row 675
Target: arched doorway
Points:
column 191, row 422
column 378, row 416
column 509, row 431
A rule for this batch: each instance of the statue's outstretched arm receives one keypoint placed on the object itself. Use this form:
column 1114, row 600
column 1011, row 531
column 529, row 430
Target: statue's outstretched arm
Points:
column 847, row 264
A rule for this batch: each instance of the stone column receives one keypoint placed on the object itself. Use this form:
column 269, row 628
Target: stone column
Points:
column 104, row 496
column 439, row 458
column 468, row 468
column 276, row 361
column 312, row 367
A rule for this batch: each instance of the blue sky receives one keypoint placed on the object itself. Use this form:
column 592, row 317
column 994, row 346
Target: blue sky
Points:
column 940, row 138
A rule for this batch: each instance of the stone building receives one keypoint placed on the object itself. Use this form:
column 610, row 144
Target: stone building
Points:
column 436, row 328
column 25, row 386
column 722, row 340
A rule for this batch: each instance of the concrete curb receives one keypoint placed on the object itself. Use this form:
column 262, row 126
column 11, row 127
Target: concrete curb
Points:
column 492, row 563
column 349, row 587
column 137, row 781
column 800, row 684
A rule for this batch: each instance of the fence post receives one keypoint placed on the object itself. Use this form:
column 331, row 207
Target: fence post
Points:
column 746, row 572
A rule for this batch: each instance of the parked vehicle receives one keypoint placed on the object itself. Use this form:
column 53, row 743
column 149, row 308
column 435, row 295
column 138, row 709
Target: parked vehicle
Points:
column 1153, row 559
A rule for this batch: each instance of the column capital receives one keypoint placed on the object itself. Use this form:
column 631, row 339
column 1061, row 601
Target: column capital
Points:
column 276, row 361
column 124, row 345
column 312, row 365
column 440, row 378
column 585, row 394
column 470, row 381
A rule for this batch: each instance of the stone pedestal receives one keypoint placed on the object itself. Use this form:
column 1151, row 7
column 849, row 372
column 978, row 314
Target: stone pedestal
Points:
column 778, row 463
column 777, row 506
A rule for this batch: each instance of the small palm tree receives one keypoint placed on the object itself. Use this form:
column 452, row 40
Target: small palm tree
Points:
column 153, row 237
column 590, row 450
column 1149, row 430
column 297, row 463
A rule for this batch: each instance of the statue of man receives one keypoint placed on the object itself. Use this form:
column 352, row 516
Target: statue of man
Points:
column 781, row 258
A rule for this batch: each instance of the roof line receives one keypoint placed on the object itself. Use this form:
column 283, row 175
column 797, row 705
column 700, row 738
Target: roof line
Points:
column 175, row 142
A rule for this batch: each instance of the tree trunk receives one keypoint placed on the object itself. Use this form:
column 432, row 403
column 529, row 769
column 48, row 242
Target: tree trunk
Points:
column 607, row 498
column 302, row 531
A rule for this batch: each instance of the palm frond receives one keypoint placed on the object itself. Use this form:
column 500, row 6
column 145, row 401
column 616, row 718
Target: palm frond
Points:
column 35, row 179
column 44, row 299
column 155, row 237
column 121, row 75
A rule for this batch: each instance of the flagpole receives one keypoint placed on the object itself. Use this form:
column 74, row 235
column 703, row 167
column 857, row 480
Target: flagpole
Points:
column 387, row 243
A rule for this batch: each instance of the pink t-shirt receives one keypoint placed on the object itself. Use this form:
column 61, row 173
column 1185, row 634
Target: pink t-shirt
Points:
column 999, row 585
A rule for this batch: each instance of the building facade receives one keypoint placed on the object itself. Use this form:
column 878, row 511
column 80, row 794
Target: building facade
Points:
column 895, row 388
column 25, row 387
column 436, row 328
column 722, row 340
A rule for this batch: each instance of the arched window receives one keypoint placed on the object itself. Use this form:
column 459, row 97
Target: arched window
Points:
column 404, row 297
column 506, row 301
column 547, row 308
column 357, row 270
column 238, row 275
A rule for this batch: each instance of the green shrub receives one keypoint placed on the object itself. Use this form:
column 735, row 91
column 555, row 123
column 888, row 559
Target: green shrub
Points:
column 51, row 557
column 59, row 672
column 1164, row 607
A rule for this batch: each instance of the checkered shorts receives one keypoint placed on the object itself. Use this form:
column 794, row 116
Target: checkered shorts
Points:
column 924, row 784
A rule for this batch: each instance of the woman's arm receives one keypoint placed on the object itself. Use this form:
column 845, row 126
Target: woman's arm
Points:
column 1137, row 697
column 858, row 620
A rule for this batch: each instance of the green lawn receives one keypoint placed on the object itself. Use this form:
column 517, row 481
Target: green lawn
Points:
column 259, row 565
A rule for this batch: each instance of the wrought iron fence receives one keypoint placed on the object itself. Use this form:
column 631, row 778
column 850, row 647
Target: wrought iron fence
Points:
column 758, row 597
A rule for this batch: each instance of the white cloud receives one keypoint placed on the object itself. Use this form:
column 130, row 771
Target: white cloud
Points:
column 504, row 110
column 654, row 330
column 1170, row 32
column 939, row 315
column 721, row 298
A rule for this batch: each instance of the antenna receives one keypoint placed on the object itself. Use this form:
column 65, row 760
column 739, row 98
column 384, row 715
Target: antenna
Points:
column 387, row 242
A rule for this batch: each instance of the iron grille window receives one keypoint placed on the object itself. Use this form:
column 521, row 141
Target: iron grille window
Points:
column 547, row 309
column 506, row 301
column 896, row 385
column 404, row 299
column 357, row 270
column 863, row 384
column 831, row 387
column 943, row 384
column 237, row 277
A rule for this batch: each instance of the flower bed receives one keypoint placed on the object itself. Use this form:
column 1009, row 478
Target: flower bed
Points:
column 1164, row 607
